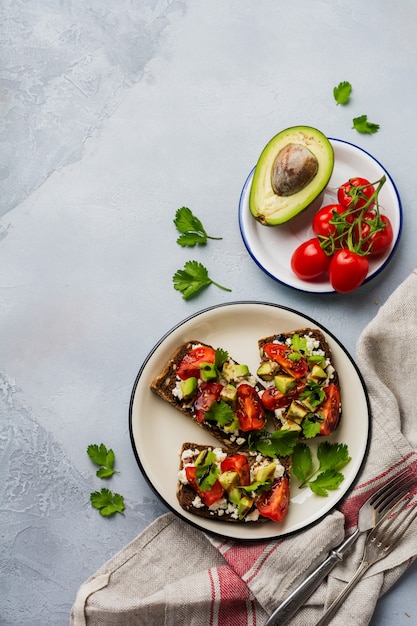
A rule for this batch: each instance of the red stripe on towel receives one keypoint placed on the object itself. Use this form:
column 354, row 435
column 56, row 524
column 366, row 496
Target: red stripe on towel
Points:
column 232, row 602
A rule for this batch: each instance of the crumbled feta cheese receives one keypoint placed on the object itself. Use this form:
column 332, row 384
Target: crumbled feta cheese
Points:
column 240, row 441
column 253, row 516
column 197, row 503
column 182, row 477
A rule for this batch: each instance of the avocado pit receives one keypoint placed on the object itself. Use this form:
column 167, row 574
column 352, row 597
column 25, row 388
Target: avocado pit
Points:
column 294, row 167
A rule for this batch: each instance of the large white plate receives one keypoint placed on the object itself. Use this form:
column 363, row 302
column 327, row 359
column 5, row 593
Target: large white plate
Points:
column 158, row 430
column 272, row 247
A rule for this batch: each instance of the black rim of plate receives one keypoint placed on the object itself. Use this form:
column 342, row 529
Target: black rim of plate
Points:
column 178, row 513
column 369, row 278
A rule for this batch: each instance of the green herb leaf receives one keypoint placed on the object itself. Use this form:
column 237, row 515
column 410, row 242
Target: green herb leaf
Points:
column 362, row 125
column 102, row 457
column 220, row 412
column 107, row 502
column 302, row 462
column 313, row 394
column 256, row 487
column 325, row 482
column 192, row 279
column 191, row 229
column 278, row 443
column 333, row 456
column 220, row 357
column 311, row 428
column 342, row 92
column 207, row 470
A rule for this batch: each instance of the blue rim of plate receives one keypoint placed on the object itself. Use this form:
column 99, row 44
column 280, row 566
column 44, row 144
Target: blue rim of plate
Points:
column 375, row 273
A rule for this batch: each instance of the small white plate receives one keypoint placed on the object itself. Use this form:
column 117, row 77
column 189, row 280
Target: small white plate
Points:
column 271, row 247
column 158, row 430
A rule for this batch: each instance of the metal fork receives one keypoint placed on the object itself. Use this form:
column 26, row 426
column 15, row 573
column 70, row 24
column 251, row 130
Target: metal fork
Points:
column 369, row 514
column 380, row 541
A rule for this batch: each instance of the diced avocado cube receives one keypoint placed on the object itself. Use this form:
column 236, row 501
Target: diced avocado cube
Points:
column 266, row 370
column 189, row 387
column 234, row 495
column 233, row 371
column 244, row 506
column 317, row 373
column 208, row 372
column 290, row 425
column 284, row 383
column 317, row 359
column 229, row 480
column 296, row 412
column 265, row 472
column 229, row 394
column 231, row 426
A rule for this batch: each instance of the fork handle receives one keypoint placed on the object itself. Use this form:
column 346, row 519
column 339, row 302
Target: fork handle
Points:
column 334, row 607
column 287, row 609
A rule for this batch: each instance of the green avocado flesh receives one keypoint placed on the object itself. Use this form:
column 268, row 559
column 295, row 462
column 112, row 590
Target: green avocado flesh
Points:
column 292, row 171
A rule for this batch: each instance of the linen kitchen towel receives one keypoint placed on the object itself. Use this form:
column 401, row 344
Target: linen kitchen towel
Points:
column 175, row 575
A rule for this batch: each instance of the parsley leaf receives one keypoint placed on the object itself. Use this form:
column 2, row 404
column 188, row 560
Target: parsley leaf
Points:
column 278, row 443
column 220, row 412
column 192, row 279
column 191, row 229
column 342, row 92
column 332, row 457
column 107, row 502
column 220, row 357
column 311, row 428
column 102, row 457
column 362, row 125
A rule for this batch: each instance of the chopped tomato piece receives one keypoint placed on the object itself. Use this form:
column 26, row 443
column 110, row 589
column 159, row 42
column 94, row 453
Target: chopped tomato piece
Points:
column 280, row 353
column 209, row 496
column 249, row 409
column 330, row 409
column 237, row 463
column 273, row 504
column 190, row 364
column 209, row 392
column 273, row 399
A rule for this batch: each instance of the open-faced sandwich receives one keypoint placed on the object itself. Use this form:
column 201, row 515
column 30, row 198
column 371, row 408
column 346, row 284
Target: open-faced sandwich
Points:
column 216, row 483
column 218, row 393
column 302, row 383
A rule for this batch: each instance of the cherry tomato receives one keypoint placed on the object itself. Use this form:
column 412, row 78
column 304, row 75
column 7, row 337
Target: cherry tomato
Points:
column 273, row 399
column 249, row 409
column 309, row 260
column 273, row 504
column 281, row 353
column 330, row 409
column 381, row 240
column 347, row 270
column 348, row 194
column 190, row 364
column 209, row 496
column 237, row 463
column 209, row 392
column 321, row 221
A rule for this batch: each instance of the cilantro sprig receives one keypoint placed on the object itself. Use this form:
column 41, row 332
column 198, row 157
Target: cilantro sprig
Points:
column 331, row 457
column 107, row 502
column 191, row 229
column 342, row 92
column 192, row 279
column 272, row 444
column 362, row 125
column 102, row 457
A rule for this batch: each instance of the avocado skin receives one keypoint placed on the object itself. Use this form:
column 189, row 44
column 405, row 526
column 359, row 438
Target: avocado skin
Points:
column 265, row 205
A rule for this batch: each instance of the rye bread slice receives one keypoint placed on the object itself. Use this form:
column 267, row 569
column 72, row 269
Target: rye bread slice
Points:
column 189, row 500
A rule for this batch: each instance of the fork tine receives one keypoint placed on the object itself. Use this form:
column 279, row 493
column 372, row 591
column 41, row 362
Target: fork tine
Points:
column 393, row 491
column 393, row 521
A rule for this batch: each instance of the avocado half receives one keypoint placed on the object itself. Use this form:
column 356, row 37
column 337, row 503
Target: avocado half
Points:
column 292, row 171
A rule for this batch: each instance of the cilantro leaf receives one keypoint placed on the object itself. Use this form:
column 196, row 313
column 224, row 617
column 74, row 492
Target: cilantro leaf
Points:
column 302, row 461
column 206, row 470
column 107, row 502
column 333, row 456
column 310, row 428
column 362, row 125
column 102, row 457
column 220, row 412
column 313, row 395
column 278, row 443
column 220, row 357
column 192, row 279
column 191, row 228
column 342, row 92
column 325, row 482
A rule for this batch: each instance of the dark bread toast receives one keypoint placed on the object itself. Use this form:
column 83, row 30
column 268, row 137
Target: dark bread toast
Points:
column 166, row 385
column 308, row 360
column 224, row 510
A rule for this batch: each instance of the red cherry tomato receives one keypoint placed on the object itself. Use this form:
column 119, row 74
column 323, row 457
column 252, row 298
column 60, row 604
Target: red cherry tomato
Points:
column 273, row 399
column 347, row 270
column 208, row 393
column 209, row 496
column 321, row 221
column 349, row 195
column 237, row 463
column 280, row 353
column 190, row 364
column 330, row 409
column 309, row 260
column 273, row 504
column 380, row 241
column 249, row 409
